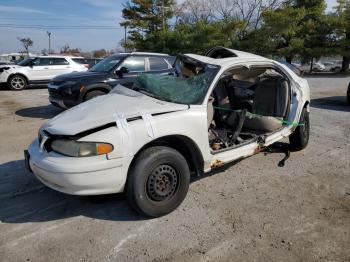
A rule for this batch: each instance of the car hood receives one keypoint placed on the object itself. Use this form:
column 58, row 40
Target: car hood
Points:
column 102, row 110
column 79, row 75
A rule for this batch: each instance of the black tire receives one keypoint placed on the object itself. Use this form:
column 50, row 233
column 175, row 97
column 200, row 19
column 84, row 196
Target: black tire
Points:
column 17, row 82
column 158, row 181
column 300, row 138
column 92, row 94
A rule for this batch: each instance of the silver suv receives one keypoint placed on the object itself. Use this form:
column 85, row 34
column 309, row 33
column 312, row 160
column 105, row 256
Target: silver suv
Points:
column 38, row 70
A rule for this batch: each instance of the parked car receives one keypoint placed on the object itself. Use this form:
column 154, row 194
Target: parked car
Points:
column 87, row 62
column 336, row 67
column 148, row 138
column 294, row 68
column 71, row 89
column 317, row 67
column 37, row 70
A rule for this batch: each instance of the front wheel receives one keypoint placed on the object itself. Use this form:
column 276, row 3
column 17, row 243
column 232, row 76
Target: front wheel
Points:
column 300, row 138
column 93, row 94
column 17, row 82
column 158, row 181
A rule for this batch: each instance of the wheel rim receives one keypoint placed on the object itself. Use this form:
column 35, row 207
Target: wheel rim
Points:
column 162, row 183
column 17, row 83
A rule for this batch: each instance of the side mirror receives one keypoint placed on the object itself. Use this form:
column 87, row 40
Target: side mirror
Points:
column 121, row 71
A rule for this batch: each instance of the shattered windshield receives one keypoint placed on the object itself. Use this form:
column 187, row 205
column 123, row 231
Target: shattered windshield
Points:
column 188, row 84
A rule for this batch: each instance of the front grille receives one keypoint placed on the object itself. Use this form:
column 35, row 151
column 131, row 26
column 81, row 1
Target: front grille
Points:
column 53, row 93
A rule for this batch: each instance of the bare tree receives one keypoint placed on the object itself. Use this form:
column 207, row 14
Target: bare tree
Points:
column 247, row 11
column 67, row 50
column 26, row 42
column 192, row 11
column 251, row 10
column 225, row 9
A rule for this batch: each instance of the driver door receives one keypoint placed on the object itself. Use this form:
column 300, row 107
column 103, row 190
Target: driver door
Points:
column 135, row 66
column 40, row 69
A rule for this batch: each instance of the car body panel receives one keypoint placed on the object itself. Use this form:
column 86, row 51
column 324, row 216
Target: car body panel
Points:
column 66, row 174
column 123, row 101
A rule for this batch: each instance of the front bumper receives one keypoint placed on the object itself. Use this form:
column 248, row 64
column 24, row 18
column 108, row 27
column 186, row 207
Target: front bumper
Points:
column 78, row 175
column 4, row 77
column 59, row 98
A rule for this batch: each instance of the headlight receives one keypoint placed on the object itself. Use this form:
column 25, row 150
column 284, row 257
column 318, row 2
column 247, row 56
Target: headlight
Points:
column 80, row 149
column 70, row 83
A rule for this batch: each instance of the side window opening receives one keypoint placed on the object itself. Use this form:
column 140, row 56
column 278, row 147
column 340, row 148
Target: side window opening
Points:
column 247, row 103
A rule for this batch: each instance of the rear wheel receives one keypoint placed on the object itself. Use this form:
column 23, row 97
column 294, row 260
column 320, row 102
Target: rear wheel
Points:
column 300, row 138
column 17, row 82
column 158, row 182
column 93, row 94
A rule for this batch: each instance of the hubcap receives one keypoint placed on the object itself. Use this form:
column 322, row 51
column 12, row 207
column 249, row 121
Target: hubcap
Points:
column 162, row 183
column 17, row 83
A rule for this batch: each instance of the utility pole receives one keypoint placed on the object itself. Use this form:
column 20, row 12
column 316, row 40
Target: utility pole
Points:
column 49, row 34
column 163, row 19
column 163, row 14
column 124, row 38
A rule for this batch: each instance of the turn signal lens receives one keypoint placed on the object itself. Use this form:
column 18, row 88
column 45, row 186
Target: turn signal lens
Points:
column 104, row 149
column 80, row 149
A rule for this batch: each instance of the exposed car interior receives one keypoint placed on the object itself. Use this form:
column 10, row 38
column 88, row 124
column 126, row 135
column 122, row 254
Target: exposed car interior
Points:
column 246, row 104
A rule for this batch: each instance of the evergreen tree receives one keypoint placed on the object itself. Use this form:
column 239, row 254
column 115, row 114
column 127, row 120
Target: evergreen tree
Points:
column 147, row 21
column 341, row 22
column 300, row 28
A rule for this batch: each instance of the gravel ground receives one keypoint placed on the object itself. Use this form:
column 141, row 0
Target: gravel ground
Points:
column 250, row 211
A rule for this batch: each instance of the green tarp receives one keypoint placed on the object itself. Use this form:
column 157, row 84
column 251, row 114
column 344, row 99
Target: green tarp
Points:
column 182, row 90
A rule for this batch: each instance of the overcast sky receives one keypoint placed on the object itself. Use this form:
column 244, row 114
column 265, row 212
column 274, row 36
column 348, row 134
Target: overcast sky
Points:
column 103, row 13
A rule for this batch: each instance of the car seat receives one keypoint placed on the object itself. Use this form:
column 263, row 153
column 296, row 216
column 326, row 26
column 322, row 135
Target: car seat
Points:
column 270, row 105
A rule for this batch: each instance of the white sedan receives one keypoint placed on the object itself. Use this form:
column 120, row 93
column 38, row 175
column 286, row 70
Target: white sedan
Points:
column 148, row 139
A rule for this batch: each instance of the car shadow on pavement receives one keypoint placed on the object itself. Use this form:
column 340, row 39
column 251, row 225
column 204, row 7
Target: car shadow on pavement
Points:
column 4, row 87
column 25, row 199
column 326, row 75
column 45, row 112
column 336, row 103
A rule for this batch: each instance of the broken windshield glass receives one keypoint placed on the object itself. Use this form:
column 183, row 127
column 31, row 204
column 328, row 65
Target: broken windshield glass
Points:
column 188, row 85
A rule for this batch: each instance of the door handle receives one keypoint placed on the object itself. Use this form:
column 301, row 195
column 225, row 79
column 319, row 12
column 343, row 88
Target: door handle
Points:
column 67, row 66
column 46, row 68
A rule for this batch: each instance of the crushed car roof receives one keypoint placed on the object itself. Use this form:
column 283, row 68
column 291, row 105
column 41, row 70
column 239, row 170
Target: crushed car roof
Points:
column 239, row 57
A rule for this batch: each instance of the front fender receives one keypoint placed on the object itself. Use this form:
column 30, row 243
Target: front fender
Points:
column 98, row 86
